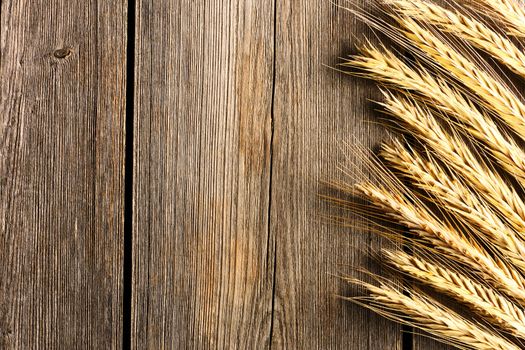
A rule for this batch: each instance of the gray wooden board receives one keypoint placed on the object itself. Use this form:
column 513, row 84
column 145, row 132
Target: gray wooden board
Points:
column 62, row 111
column 229, row 249
column 236, row 122
column 317, row 110
column 203, row 270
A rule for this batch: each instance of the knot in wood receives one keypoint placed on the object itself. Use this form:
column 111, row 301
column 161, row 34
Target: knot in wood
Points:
column 62, row 53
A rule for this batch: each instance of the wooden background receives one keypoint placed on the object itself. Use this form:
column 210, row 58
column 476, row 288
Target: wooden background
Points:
column 159, row 176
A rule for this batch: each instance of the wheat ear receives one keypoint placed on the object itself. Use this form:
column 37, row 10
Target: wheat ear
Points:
column 496, row 97
column 387, row 68
column 475, row 32
column 442, row 236
column 458, row 156
column 510, row 12
column 419, row 311
column 485, row 301
column 457, row 199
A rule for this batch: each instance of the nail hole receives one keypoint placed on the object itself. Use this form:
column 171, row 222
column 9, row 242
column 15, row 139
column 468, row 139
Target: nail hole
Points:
column 62, row 53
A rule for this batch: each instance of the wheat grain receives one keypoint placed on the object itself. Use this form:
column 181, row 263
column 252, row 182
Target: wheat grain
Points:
column 477, row 220
column 509, row 12
column 496, row 308
column 387, row 68
column 474, row 31
column 455, row 197
column 458, row 156
column 419, row 311
column 495, row 95
column 444, row 237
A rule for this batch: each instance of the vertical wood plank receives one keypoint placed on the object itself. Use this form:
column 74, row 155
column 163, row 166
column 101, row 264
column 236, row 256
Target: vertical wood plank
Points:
column 316, row 109
column 62, row 111
column 203, row 269
column 424, row 342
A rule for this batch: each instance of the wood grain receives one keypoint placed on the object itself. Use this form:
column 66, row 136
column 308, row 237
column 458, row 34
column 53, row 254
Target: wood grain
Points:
column 236, row 123
column 62, row 73
column 206, row 166
column 203, row 266
column 316, row 110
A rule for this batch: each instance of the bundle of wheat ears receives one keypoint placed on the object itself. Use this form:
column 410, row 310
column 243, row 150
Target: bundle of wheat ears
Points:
column 452, row 178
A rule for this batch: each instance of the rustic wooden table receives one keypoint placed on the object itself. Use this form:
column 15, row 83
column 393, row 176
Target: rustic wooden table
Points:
column 160, row 164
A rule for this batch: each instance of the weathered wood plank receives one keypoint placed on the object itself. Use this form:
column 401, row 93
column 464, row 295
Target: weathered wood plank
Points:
column 203, row 269
column 62, row 111
column 317, row 109
column 424, row 342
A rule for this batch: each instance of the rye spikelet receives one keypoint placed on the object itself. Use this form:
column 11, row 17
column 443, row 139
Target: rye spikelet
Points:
column 456, row 198
column 472, row 30
column 485, row 301
column 387, row 68
column 444, row 237
column 424, row 313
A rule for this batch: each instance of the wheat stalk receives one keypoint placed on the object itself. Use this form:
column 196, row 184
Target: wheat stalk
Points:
column 421, row 312
column 457, row 199
column 444, row 237
column 472, row 30
column 496, row 308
